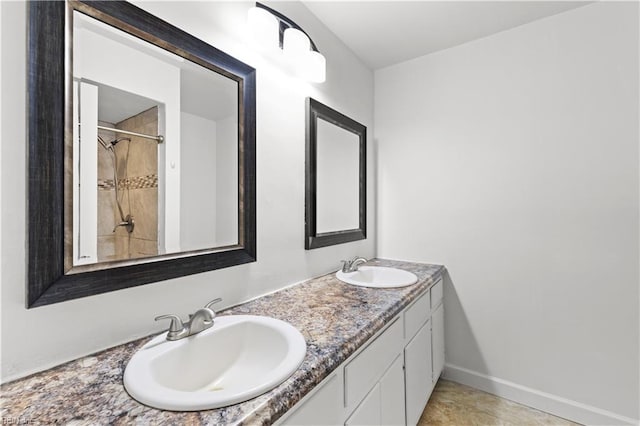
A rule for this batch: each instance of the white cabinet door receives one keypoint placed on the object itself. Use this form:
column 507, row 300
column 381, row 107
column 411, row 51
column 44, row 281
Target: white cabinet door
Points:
column 437, row 341
column 368, row 412
column 365, row 370
column 321, row 408
column 418, row 374
column 392, row 394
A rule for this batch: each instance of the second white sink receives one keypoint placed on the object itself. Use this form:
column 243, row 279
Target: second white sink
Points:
column 239, row 358
column 378, row 276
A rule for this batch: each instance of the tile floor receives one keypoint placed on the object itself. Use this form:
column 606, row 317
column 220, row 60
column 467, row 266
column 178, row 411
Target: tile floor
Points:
column 453, row 404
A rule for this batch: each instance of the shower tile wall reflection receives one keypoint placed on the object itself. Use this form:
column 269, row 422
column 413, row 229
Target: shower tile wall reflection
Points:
column 137, row 176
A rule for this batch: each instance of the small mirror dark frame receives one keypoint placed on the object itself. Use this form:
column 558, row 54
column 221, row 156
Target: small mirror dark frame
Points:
column 50, row 25
column 313, row 239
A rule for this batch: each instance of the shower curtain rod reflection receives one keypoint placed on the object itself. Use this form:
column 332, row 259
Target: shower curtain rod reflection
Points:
column 158, row 138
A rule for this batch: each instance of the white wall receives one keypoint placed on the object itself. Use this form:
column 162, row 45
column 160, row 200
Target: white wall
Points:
column 513, row 160
column 38, row 338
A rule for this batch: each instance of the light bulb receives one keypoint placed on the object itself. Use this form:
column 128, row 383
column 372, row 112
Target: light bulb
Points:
column 296, row 44
column 315, row 67
column 264, row 27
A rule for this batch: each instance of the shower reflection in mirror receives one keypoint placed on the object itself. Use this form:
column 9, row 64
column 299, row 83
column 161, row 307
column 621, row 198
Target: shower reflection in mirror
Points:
column 155, row 150
column 117, row 218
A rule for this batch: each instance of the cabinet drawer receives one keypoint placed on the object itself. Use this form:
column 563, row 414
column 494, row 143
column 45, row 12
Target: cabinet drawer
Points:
column 362, row 373
column 416, row 315
column 436, row 294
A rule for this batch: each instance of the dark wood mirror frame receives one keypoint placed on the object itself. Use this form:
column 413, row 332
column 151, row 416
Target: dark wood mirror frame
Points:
column 313, row 239
column 49, row 166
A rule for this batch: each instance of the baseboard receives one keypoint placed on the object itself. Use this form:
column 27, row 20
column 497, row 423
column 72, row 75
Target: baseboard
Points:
column 553, row 404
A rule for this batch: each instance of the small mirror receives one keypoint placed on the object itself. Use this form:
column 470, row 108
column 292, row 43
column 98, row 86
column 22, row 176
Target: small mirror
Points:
column 335, row 177
column 141, row 152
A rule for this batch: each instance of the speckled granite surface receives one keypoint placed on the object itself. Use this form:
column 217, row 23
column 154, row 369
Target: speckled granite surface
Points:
column 334, row 317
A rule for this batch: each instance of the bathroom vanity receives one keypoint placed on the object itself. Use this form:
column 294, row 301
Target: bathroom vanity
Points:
column 373, row 356
column 390, row 379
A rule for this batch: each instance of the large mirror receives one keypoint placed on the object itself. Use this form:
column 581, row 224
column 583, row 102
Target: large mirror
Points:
column 141, row 152
column 336, row 173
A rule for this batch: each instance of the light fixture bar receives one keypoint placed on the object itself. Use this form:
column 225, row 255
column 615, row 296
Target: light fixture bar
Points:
column 272, row 32
column 286, row 23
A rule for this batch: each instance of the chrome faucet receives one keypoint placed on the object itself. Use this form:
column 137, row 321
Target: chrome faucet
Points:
column 129, row 223
column 198, row 321
column 352, row 265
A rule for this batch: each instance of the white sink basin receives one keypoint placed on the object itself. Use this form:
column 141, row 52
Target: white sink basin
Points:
column 239, row 358
column 378, row 276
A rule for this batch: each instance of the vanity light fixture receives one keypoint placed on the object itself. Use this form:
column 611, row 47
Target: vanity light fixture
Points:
column 275, row 32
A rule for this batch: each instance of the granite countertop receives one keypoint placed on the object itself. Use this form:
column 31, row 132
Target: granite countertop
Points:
column 335, row 319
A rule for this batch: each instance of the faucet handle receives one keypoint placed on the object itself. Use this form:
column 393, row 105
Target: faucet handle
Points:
column 213, row 302
column 176, row 322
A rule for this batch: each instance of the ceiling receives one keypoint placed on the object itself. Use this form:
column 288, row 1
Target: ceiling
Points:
column 383, row 33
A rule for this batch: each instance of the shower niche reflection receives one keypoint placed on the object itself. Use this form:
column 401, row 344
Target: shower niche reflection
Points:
column 155, row 150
